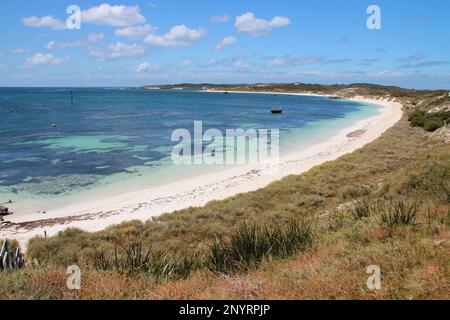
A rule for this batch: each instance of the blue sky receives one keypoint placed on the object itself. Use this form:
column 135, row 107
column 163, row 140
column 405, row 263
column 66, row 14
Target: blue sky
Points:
column 132, row 43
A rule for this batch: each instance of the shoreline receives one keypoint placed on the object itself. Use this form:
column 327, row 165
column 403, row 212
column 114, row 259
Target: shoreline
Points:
column 98, row 214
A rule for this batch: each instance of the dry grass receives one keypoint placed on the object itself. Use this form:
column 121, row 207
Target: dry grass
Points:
column 414, row 257
column 193, row 228
column 414, row 264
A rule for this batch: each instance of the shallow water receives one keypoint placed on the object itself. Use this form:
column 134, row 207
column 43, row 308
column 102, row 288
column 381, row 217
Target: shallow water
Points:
column 111, row 137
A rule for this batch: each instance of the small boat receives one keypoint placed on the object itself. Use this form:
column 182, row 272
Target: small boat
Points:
column 277, row 111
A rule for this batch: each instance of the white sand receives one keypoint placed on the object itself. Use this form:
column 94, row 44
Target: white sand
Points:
column 97, row 214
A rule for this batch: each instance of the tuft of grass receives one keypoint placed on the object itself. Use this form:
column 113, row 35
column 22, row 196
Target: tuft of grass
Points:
column 363, row 208
column 435, row 217
column 398, row 212
column 136, row 257
column 392, row 213
column 251, row 246
column 354, row 192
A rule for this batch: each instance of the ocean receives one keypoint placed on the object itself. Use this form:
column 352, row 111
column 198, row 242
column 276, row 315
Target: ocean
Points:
column 52, row 149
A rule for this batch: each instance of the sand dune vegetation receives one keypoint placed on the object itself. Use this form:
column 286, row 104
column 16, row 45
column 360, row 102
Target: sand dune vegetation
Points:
column 308, row 236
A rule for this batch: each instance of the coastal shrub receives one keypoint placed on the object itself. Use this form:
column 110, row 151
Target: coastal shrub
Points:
column 392, row 213
column 167, row 267
column 430, row 121
column 312, row 200
column 363, row 208
column 432, row 125
column 434, row 184
column 427, row 179
column 354, row 192
column 247, row 248
column 59, row 251
column 435, row 217
column 399, row 212
column 136, row 258
column 417, row 118
column 251, row 246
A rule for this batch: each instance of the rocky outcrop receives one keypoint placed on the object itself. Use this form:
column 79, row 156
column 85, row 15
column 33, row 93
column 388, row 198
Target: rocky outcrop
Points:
column 443, row 133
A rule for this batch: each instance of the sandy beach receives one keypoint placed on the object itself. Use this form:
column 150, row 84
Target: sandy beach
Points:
column 97, row 214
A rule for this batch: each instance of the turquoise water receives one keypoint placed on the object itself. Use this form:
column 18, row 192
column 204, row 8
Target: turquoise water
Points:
column 51, row 148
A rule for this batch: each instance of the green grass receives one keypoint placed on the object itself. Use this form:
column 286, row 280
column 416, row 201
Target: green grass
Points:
column 392, row 213
column 136, row 257
column 398, row 212
column 363, row 208
column 354, row 192
column 251, row 246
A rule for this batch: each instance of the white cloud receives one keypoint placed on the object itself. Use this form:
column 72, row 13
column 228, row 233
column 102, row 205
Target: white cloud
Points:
column 220, row 19
column 137, row 32
column 178, row 36
column 414, row 57
column 149, row 67
column 248, row 23
column 90, row 39
column 63, row 45
column 187, row 63
column 95, row 37
column 50, row 45
column 237, row 62
column 47, row 21
column 43, row 59
column 385, row 74
column 336, row 61
column 228, row 41
column 19, row 51
column 212, row 63
column 118, row 50
column 277, row 62
column 279, row 22
column 368, row 61
column 240, row 62
column 116, row 15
